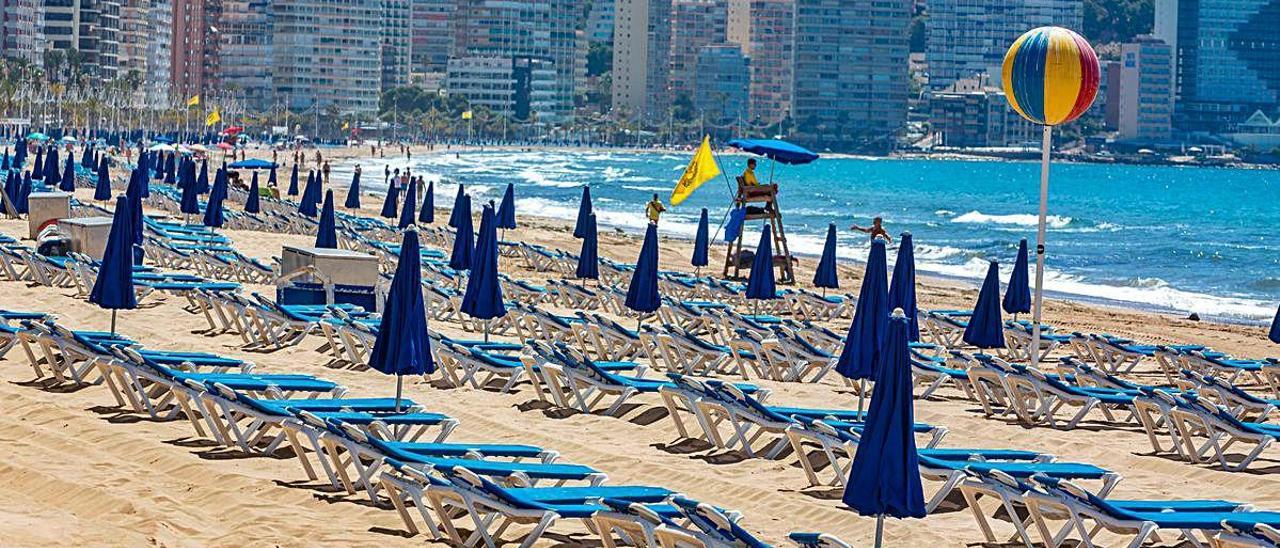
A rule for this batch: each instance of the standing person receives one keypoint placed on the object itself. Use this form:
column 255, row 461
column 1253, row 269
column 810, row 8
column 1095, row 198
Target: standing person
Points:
column 373, row 150
column 325, row 169
column 275, row 155
column 876, row 229
column 395, row 178
column 386, row 175
column 319, row 158
column 654, row 209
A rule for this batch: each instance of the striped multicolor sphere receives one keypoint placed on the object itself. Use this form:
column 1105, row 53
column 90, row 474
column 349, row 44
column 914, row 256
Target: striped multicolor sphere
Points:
column 1050, row 75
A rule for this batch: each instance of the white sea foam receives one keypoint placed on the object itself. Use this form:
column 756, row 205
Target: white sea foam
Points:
column 1019, row 219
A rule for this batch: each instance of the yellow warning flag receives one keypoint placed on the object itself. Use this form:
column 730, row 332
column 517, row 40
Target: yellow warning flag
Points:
column 702, row 168
column 193, row 101
column 213, row 118
column 466, row 115
column 346, row 125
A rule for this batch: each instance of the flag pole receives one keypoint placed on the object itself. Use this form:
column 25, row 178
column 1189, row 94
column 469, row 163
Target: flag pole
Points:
column 1040, row 229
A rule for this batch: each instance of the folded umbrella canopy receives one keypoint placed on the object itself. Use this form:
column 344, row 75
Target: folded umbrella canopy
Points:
column 134, row 192
column 760, row 284
column 293, row 181
column 642, row 294
column 507, row 210
column 456, row 213
column 483, row 297
column 271, row 178
column 701, row 240
column 464, row 241
column 986, row 329
column 866, row 332
column 410, row 202
column 902, row 289
column 327, row 230
column 1274, row 335
column 391, row 203
column 589, row 257
column 884, row 479
column 252, row 202
column 51, row 175
column 353, row 193
column 102, row 190
column 427, row 214
column 113, row 288
column 310, row 195
column 68, row 183
column 24, row 195
column 1017, row 297
column 37, row 168
column 403, row 346
column 213, row 216
column 825, row 276
column 201, row 182
column 4, row 164
column 584, row 211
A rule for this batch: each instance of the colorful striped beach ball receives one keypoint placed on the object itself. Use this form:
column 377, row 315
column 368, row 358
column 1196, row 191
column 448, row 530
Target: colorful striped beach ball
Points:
column 1050, row 75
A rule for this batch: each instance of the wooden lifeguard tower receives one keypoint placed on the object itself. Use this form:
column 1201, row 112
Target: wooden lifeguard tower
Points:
column 761, row 202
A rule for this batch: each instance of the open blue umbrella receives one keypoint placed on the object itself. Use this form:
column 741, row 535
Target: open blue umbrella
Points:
column 68, row 183
column 902, row 288
column 353, row 193
column 825, row 276
column 252, row 203
column 760, row 284
column 464, row 241
column 1017, row 297
column 866, row 332
column 457, row 212
column 776, row 150
column 584, row 212
column 293, row 181
column 642, row 294
column 213, row 217
column 410, row 201
column 391, row 203
column 483, row 297
column 507, row 210
column 986, row 329
column 113, row 289
column 884, row 479
column 403, row 346
column 589, row 257
column 1274, row 335
column 327, row 233
column 102, row 191
column 701, row 239
column 427, row 214
column 310, row 195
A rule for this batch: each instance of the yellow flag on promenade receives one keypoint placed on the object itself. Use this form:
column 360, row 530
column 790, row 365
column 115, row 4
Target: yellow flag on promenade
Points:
column 702, row 168
column 346, row 125
column 466, row 115
column 193, row 101
column 213, row 118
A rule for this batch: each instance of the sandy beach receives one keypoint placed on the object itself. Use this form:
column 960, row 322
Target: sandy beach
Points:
column 79, row 471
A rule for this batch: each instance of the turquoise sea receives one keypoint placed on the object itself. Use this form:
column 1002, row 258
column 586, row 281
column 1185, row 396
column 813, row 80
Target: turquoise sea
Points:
column 1183, row 239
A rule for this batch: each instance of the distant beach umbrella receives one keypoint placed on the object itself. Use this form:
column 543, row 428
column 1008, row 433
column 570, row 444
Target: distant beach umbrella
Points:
column 24, row 195
column 427, row 214
column 271, row 178
column 353, row 193
column 252, row 203
column 403, row 346
column 457, row 211
column 38, row 166
column 310, row 196
column 902, row 288
column 884, row 478
column 391, row 203
column 986, row 329
column 68, row 175
column 102, row 191
column 825, row 276
column 866, row 331
column 507, row 211
column 642, row 293
column 584, row 211
column 190, row 203
column 213, row 215
column 483, row 297
column 760, row 284
column 51, row 175
column 327, row 231
column 201, row 181
column 407, row 215
column 1017, row 297
column 113, row 288
column 1274, row 335
column 464, row 241
column 589, row 256
column 293, row 181
column 171, row 170
column 701, row 239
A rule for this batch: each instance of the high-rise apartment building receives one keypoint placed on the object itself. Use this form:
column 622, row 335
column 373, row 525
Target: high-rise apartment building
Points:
column 641, row 65
column 144, row 42
column 967, row 37
column 769, row 35
column 21, row 30
column 327, row 54
column 246, row 55
column 1146, row 89
column 431, row 35
column 1226, row 59
column 694, row 24
column 396, row 43
column 521, row 88
column 194, row 63
column 724, row 79
column 600, row 22
column 851, row 66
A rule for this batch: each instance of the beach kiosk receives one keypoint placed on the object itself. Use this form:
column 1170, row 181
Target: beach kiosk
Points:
column 761, row 202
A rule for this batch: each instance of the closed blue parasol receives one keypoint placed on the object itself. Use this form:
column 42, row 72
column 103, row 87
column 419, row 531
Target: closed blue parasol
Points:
column 113, row 289
column 776, row 150
column 271, row 178
column 701, row 239
column 51, row 176
column 642, row 294
column 584, row 212
column 252, row 203
column 190, row 203
column 1017, row 297
column 507, row 210
column 353, row 193
column 427, row 214
column 403, row 346
column 137, row 183
column 884, row 479
column 464, row 241
column 1274, row 335
column 457, row 211
column 202, row 184
column 858, row 357
column 760, row 285
column 68, row 175
column 293, row 181
column 327, row 232
column 410, row 202
column 102, row 190
column 391, row 203
column 37, row 168
column 310, row 195
column 213, row 217
column 24, row 195
column 483, row 297
column 986, row 329
column 825, row 275
column 902, row 288
column 589, row 257
column 8, row 195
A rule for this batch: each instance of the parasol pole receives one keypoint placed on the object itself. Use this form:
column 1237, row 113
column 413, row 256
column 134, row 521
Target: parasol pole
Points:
column 1040, row 229
column 399, row 388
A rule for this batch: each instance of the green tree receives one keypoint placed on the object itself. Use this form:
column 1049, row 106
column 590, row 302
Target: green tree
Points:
column 599, row 59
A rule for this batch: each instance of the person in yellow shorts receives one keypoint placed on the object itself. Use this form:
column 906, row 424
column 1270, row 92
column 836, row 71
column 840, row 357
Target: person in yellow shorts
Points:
column 654, row 209
column 749, row 176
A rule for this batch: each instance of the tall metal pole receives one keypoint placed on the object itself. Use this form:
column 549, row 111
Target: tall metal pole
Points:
column 1040, row 228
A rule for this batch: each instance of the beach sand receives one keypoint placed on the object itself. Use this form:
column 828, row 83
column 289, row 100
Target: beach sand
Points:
column 77, row 471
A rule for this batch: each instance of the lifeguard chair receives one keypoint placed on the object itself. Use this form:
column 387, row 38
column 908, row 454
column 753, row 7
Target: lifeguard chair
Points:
column 761, row 202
